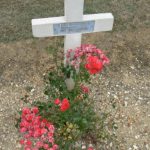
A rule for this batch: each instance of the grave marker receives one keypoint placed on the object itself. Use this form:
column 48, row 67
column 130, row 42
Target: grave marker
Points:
column 72, row 25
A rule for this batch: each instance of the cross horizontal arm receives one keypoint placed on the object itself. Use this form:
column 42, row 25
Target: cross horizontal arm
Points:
column 57, row 26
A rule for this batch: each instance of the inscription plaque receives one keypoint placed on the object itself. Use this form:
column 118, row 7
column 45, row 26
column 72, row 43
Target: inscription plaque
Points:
column 73, row 27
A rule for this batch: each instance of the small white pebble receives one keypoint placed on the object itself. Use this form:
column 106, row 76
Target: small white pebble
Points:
column 137, row 136
column 146, row 134
column 18, row 146
column 147, row 147
column 140, row 98
column 46, row 97
column 111, row 144
column 132, row 67
column 125, row 103
column 135, row 147
column 126, row 98
column 32, row 90
column 115, row 96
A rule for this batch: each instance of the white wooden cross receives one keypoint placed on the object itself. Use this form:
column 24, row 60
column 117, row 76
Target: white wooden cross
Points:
column 72, row 25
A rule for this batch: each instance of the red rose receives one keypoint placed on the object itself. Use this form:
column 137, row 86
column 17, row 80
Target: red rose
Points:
column 94, row 64
column 35, row 110
column 57, row 101
column 64, row 105
column 43, row 131
column 44, row 121
column 30, row 117
column 37, row 133
column 26, row 111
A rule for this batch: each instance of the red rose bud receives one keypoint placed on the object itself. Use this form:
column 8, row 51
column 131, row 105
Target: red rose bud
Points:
column 85, row 89
column 65, row 105
column 35, row 110
column 57, row 101
column 94, row 64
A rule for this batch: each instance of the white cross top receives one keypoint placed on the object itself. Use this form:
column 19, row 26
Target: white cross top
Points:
column 72, row 25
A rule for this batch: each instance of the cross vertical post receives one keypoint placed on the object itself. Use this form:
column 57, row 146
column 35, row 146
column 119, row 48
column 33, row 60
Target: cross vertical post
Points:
column 73, row 13
column 72, row 25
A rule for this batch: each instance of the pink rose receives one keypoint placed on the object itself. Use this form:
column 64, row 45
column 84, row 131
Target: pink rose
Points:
column 22, row 142
column 37, row 132
column 46, row 146
column 22, row 130
column 27, row 136
column 43, row 131
column 39, row 144
column 30, row 117
column 55, row 146
column 85, row 89
column 27, row 148
column 50, row 134
column 50, row 127
column 24, row 123
column 28, row 142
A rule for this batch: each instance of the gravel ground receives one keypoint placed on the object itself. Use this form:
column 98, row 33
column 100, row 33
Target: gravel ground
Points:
column 125, row 84
column 122, row 89
column 129, row 106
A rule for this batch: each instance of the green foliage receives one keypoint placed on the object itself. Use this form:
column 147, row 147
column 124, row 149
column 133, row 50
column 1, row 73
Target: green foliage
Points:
column 80, row 120
column 56, row 87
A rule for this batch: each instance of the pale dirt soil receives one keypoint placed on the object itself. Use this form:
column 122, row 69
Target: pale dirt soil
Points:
column 125, row 83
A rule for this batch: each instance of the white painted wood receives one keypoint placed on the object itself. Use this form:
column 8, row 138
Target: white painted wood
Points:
column 74, row 10
column 71, row 42
column 44, row 27
column 73, row 13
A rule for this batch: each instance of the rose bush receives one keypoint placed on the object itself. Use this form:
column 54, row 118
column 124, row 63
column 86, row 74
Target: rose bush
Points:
column 68, row 116
column 32, row 126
